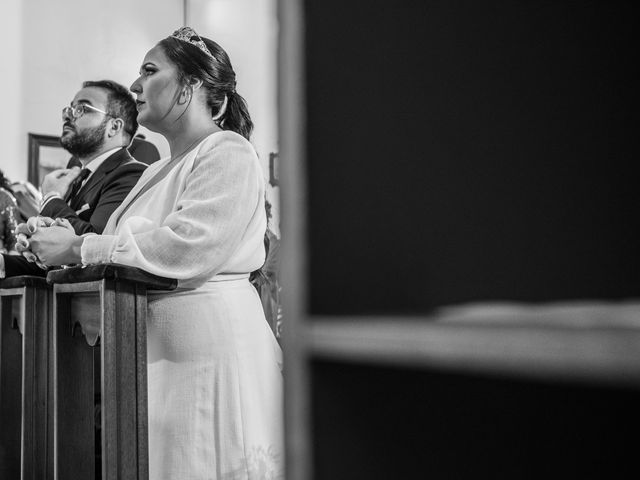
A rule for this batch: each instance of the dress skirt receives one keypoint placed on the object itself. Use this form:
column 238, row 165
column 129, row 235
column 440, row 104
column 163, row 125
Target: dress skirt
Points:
column 214, row 385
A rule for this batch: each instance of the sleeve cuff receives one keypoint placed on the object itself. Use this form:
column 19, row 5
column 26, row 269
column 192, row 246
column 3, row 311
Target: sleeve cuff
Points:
column 48, row 197
column 97, row 248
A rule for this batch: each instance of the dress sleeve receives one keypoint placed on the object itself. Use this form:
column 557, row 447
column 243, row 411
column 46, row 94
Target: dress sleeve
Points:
column 209, row 224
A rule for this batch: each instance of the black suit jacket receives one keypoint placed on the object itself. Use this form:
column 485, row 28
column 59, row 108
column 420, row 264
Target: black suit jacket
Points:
column 90, row 209
column 105, row 190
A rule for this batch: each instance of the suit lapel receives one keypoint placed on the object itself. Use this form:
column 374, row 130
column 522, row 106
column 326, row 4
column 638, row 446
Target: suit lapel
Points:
column 97, row 178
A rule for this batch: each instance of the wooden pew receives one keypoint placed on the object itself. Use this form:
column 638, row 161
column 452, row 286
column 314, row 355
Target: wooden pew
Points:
column 99, row 357
column 25, row 402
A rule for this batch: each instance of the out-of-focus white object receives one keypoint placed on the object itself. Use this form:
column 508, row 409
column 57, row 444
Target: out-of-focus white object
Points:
column 28, row 198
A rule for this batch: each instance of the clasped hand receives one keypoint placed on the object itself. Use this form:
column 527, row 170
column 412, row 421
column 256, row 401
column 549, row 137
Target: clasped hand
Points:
column 46, row 241
column 59, row 180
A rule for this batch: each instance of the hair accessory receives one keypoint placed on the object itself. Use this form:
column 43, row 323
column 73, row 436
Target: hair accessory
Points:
column 222, row 111
column 189, row 35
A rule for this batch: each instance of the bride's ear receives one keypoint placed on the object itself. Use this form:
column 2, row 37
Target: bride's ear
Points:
column 194, row 83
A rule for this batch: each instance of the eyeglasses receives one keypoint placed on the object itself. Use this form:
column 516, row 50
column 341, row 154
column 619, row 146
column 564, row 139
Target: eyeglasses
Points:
column 79, row 110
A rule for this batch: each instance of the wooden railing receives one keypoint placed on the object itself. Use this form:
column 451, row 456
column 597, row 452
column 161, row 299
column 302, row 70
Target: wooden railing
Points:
column 87, row 373
column 25, row 394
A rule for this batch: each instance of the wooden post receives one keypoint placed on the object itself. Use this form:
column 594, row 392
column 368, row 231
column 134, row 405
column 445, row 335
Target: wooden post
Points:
column 25, row 404
column 99, row 357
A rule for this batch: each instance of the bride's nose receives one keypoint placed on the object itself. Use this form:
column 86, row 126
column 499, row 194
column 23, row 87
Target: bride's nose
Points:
column 136, row 87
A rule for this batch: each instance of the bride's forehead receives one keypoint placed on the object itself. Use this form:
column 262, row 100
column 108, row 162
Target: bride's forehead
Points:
column 156, row 55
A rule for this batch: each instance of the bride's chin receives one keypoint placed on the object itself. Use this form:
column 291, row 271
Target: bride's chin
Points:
column 152, row 127
column 143, row 121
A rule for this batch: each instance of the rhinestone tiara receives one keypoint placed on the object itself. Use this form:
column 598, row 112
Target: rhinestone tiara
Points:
column 189, row 35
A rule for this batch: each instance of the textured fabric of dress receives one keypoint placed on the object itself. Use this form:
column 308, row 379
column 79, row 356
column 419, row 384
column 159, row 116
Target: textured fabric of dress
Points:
column 215, row 381
column 8, row 222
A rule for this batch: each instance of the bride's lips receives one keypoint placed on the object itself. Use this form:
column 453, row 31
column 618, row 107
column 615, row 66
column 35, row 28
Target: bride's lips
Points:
column 139, row 104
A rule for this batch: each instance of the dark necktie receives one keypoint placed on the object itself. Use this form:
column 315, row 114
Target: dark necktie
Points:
column 76, row 184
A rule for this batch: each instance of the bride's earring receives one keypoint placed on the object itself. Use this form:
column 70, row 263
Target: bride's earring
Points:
column 185, row 96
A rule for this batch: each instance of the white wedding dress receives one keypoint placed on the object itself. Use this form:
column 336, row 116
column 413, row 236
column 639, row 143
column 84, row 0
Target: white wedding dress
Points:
column 214, row 366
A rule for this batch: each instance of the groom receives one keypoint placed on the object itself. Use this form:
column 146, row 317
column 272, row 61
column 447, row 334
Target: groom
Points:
column 97, row 128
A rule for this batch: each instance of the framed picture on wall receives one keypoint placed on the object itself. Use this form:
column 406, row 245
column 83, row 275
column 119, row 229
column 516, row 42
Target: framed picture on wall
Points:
column 45, row 154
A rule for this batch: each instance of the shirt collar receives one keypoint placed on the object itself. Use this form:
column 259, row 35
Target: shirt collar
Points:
column 96, row 162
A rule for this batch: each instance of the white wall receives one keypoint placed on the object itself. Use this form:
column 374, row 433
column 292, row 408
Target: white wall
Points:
column 13, row 140
column 248, row 32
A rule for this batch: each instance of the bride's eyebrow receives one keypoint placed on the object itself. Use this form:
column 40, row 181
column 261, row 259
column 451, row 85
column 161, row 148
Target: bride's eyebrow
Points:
column 147, row 64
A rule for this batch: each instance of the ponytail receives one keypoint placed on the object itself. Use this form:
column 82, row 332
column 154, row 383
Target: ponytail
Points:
column 236, row 117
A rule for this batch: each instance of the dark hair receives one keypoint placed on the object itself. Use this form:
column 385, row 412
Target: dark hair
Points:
column 218, row 79
column 121, row 104
column 4, row 182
